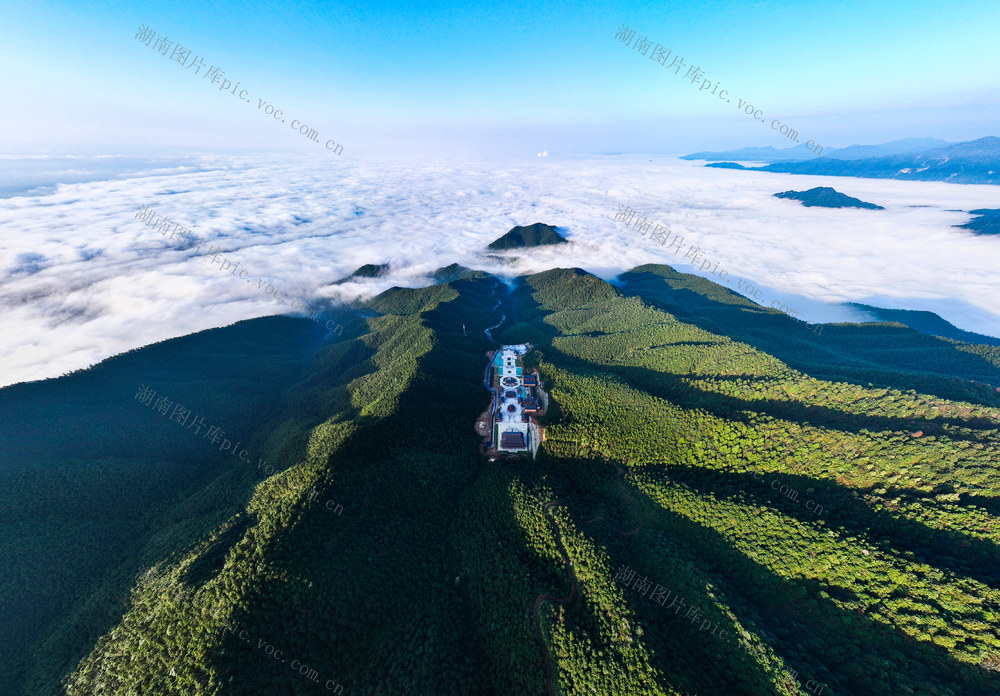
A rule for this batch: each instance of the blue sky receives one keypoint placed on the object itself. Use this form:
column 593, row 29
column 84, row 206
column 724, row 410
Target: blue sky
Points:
column 452, row 77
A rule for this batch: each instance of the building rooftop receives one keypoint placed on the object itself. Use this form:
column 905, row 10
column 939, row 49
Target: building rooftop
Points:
column 512, row 440
column 513, row 421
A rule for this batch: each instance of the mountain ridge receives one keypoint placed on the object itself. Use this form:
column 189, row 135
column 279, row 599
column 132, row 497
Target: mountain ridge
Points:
column 800, row 152
column 706, row 401
column 973, row 162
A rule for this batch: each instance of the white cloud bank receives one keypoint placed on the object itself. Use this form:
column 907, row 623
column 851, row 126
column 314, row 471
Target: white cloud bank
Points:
column 81, row 279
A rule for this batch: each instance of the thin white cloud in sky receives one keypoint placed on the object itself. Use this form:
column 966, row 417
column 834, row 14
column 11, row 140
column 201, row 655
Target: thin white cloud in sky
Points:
column 81, row 279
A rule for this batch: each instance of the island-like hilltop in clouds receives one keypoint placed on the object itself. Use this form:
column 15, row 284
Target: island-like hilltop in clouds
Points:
column 826, row 197
column 538, row 234
column 369, row 270
column 987, row 221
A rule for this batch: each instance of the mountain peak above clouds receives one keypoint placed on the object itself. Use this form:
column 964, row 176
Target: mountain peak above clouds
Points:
column 538, row 234
column 826, row 197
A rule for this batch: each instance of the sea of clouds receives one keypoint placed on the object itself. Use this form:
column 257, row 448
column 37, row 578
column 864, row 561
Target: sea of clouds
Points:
column 81, row 279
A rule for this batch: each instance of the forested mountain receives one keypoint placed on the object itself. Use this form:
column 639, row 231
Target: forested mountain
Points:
column 369, row 270
column 727, row 502
column 520, row 236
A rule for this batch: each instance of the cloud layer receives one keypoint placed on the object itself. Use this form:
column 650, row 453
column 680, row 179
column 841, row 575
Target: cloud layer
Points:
column 81, row 279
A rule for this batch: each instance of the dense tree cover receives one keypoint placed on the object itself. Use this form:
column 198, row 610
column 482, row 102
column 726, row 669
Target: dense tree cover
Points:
column 879, row 354
column 98, row 486
column 905, row 552
column 837, row 527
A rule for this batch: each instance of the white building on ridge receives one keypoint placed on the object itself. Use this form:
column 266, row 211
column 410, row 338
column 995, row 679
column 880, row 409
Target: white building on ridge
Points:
column 511, row 421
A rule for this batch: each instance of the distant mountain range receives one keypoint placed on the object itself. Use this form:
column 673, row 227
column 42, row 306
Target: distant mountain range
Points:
column 927, row 323
column 974, row 162
column 826, row 197
column 800, row 153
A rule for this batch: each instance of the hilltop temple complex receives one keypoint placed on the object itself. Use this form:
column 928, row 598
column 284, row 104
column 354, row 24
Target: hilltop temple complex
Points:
column 517, row 398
